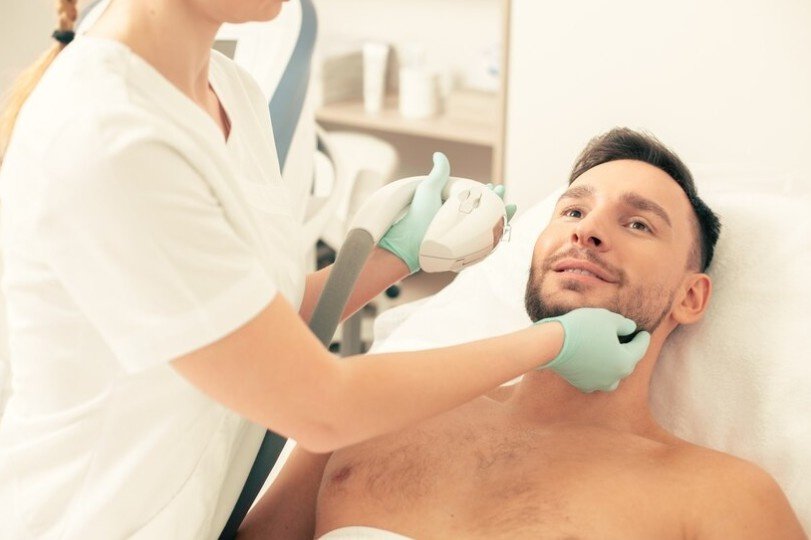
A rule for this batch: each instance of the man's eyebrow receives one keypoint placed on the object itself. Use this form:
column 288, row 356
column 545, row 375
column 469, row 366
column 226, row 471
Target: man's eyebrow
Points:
column 578, row 192
column 643, row 204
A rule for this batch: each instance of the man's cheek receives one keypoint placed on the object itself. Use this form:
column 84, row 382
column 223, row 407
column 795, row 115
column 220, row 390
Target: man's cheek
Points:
column 544, row 249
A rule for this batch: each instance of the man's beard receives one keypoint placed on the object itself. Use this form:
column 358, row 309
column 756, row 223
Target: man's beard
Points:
column 646, row 305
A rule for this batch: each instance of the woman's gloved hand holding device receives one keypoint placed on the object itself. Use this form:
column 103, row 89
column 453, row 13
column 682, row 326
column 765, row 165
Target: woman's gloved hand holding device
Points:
column 405, row 237
column 592, row 357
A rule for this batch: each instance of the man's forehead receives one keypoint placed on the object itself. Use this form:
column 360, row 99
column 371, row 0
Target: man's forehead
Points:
column 622, row 177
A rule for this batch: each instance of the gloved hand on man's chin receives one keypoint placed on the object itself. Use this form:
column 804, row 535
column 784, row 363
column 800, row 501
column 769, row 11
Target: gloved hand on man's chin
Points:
column 592, row 357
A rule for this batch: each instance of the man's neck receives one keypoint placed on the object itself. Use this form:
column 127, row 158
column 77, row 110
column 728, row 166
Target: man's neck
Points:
column 546, row 398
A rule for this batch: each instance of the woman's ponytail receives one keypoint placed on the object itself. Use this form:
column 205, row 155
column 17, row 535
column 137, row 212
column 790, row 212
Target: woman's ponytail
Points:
column 28, row 79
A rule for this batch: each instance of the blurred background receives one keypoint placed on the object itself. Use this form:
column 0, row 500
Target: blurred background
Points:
column 511, row 90
column 523, row 84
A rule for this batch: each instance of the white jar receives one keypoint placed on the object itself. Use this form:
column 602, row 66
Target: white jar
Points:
column 419, row 93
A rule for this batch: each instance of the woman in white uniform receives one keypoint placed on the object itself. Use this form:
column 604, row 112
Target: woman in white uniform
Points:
column 156, row 295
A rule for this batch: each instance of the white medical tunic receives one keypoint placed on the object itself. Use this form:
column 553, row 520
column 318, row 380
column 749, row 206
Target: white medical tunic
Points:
column 132, row 233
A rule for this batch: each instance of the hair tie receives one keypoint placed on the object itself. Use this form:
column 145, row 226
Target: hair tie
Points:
column 63, row 36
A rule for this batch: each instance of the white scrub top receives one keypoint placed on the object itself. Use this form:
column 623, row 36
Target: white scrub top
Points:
column 132, row 234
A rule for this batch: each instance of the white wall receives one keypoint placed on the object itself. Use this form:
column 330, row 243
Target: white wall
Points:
column 718, row 81
column 25, row 32
column 453, row 32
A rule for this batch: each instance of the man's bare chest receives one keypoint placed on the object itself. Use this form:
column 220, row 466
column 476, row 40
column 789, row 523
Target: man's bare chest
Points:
column 489, row 477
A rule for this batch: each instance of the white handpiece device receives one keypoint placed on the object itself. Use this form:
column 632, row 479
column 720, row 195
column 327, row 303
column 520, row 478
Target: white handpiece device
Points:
column 467, row 228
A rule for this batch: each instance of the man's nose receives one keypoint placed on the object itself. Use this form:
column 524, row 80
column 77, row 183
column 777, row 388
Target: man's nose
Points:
column 589, row 232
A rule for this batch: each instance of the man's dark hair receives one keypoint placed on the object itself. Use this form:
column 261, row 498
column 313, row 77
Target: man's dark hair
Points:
column 624, row 143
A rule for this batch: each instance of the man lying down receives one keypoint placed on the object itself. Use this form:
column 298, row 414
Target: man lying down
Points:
column 542, row 459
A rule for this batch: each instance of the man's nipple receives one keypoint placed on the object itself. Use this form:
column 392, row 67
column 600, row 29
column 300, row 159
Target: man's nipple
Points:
column 341, row 475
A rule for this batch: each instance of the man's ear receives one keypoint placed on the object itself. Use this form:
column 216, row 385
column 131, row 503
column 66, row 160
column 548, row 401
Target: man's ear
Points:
column 694, row 298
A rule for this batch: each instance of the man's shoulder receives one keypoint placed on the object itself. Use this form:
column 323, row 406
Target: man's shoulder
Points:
column 732, row 497
column 712, row 471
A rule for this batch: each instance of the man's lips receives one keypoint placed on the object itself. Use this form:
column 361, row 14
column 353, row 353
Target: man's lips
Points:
column 584, row 268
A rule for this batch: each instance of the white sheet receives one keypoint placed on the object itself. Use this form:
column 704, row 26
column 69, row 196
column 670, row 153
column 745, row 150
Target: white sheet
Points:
column 739, row 381
column 362, row 533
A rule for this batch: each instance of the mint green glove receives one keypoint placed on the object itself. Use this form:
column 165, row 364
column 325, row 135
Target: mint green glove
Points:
column 509, row 208
column 592, row 357
column 405, row 236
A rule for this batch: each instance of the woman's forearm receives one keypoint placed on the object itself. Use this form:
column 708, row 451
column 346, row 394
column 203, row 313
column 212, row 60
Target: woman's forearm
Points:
column 380, row 393
column 382, row 270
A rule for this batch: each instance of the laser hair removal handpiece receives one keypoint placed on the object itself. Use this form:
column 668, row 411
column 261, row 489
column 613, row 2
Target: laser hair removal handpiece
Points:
column 466, row 229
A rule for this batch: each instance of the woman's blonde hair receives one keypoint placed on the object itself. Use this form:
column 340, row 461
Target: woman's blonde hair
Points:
column 28, row 79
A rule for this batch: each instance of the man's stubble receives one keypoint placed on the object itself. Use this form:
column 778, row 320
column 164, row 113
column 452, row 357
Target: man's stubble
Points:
column 645, row 304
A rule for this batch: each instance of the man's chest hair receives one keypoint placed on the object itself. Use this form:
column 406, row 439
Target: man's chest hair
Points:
column 441, row 457
column 496, row 477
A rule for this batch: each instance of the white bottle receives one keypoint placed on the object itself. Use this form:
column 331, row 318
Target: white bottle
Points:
column 375, row 61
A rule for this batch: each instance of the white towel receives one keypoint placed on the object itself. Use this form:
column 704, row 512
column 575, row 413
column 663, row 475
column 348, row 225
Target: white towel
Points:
column 740, row 380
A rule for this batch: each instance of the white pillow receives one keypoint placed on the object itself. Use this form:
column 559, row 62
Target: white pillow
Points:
column 739, row 381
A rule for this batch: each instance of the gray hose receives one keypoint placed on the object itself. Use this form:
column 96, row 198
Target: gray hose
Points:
column 351, row 259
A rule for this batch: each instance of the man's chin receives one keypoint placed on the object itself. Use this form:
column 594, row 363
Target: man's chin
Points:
column 556, row 310
column 538, row 311
column 554, row 299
